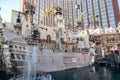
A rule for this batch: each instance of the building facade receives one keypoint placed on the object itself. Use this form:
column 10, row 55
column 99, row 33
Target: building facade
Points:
column 106, row 10
column 41, row 6
column 106, row 43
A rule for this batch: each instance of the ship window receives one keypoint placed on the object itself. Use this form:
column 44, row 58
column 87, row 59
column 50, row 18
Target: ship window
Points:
column 19, row 47
column 23, row 57
column 77, row 40
column 15, row 46
column 81, row 39
column 11, row 46
column 35, row 35
column 113, row 39
column 48, row 39
column 26, row 25
column 69, row 39
column 18, row 56
column 24, row 48
column 12, row 56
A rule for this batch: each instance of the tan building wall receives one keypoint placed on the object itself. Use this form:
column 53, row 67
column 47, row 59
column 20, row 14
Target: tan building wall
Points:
column 43, row 30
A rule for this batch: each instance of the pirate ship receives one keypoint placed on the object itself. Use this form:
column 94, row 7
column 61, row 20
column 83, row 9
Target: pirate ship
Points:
column 18, row 50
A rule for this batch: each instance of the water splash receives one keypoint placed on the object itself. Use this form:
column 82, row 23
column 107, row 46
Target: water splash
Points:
column 27, row 64
column 34, row 61
column 38, row 77
column 29, row 72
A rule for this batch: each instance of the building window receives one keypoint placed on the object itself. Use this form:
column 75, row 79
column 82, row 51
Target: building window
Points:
column 35, row 35
column 18, row 56
column 81, row 39
column 48, row 39
column 23, row 57
column 19, row 47
column 15, row 46
column 11, row 46
column 12, row 56
column 24, row 48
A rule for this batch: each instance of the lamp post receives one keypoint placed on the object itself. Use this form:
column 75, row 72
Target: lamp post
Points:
column 18, row 25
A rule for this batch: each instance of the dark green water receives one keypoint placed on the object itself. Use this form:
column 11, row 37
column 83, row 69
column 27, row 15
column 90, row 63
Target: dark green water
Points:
column 87, row 73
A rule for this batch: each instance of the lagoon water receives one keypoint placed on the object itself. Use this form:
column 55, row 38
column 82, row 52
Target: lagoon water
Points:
column 85, row 73
column 88, row 73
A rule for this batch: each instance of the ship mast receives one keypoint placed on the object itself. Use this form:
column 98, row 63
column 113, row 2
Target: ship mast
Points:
column 59, row 26
column 30, row 11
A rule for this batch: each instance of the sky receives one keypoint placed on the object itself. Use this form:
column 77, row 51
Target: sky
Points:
column 6, row 8
column 8, row 5
column 119, row 4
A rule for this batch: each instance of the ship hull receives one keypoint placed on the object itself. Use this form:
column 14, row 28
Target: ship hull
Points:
column 57, row 62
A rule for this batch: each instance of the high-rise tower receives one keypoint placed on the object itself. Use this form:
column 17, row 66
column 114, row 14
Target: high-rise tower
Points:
column 107, row 10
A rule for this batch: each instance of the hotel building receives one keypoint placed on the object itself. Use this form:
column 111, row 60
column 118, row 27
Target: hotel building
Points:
column 107, row 10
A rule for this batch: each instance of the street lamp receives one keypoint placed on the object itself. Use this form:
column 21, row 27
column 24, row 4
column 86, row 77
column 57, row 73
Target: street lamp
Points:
column 18, row 25
column 18, row 20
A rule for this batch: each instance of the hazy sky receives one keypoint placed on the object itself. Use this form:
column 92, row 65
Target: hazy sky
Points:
column 119, row 4
column 8, row 5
